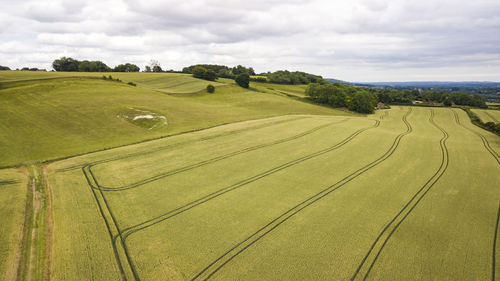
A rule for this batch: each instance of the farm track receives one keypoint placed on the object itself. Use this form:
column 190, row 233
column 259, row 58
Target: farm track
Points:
column 213, row 160
column 112, row 223
column 132, row 229
column 495, row 155
column 237, row 249
column 112, row 227
column 493, row 261
column 223, row 134
column 389, row 229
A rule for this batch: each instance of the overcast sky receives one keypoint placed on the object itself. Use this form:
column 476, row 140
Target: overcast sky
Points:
column 355, row 40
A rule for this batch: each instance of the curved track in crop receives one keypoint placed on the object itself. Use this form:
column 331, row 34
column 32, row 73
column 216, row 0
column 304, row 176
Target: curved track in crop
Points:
column 241, row 246
column 389, row 229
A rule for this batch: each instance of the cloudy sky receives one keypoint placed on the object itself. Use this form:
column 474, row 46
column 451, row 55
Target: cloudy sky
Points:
column 356, row 40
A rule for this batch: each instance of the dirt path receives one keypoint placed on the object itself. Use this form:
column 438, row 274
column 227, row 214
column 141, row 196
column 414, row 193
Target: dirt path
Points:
column 36, row 249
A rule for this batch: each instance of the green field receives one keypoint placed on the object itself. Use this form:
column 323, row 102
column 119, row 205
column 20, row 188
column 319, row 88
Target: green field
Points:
column 488, row 115
column 406, row 194
column 172, row 83
column 13, row 184
column 55, row 118
column 164, row 181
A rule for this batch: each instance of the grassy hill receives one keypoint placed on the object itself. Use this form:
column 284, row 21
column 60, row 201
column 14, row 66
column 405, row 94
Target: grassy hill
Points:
column 164, row 82
column 53, row 115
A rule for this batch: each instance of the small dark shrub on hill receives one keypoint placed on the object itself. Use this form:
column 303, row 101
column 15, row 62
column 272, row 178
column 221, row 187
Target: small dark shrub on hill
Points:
column 243, row 80
column 210, row 88
column 132, row 84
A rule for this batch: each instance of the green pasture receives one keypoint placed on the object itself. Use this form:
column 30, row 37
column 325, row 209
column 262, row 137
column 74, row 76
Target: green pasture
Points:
column 49, row 119
column 163, row 82
column 406, row 194
column 292, row 90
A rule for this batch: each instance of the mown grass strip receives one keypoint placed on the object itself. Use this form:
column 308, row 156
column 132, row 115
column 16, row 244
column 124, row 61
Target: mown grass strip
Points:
column 379, row 244
column 237, row 249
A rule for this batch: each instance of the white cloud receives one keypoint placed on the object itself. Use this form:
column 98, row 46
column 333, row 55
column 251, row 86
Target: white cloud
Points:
column 359, row 40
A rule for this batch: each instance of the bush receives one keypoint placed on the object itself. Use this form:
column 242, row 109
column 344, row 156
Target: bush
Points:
column 210, row 88
column 132, row 84
column 199, row 72
column 243, row 80
column 209, row 75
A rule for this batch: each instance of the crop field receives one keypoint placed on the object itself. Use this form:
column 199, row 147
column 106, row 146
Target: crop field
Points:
column 12, row 205
column 406, row 194
column 488, row 115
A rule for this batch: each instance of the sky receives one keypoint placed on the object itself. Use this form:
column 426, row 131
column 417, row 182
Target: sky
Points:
column 355, row 40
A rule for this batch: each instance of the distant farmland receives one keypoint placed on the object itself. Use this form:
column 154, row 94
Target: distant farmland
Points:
column 407, row 194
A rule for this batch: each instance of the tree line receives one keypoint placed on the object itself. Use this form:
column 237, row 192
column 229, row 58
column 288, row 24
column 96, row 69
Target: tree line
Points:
column 357, row 99
column 393, row 96
column 364, row 100
column 221, row 71
column 72, row 65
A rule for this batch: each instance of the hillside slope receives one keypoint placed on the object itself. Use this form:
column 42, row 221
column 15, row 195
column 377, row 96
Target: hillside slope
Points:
column 54, row 118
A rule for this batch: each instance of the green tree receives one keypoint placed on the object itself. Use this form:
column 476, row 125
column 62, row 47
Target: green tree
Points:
column 65, row 64
column 4, row 67
column 199, row 72
column 243, row 80
column 92, row 66
column 128, row 67
column 363, row 102
column 210, row 75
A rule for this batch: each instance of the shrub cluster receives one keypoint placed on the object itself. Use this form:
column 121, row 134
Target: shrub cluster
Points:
column 338, row 95
column 243, row 80
column 203, row 73
column 110, row 78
